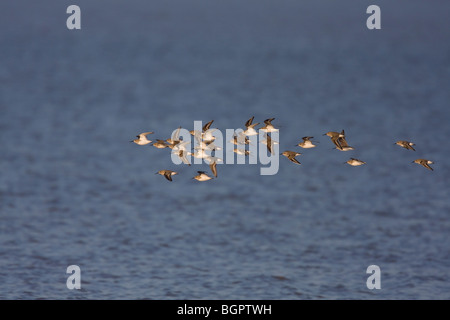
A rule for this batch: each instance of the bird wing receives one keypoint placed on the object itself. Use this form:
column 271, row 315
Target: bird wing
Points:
column 213, row 168
column 268, row 121
column 269, row 146
column 343, row 143
column 176, row 134
column 337, row 142
column 294, row 160
column 426, row 166
column 168, row 175
column 206, row 126
column 249, row 122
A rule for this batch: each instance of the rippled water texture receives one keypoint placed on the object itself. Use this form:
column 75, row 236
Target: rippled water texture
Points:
column 74, row 190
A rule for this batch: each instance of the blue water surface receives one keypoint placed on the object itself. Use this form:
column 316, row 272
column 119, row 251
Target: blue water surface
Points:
column 75, row 191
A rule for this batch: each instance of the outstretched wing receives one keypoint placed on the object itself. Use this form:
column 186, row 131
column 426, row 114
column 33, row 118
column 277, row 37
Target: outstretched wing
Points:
column 249, row 122
column 213, row 168
column 269, row 121
column 206, row 126
column 294, row 160
column 168, row 175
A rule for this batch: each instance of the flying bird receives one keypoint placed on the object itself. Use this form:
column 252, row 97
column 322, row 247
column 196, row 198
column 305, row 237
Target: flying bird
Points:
column 424, row 162
column 291, row 156
column 405, row 144
column 338, row 138
column 268, row 126
column 142, row 139
column 160, row 144
column 307, row 143
column 202, row 176
column 250, row 131
column 355, row 162
column 167, row 174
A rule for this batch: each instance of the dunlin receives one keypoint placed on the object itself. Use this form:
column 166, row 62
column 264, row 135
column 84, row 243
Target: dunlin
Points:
column 343, row 144
column 167, row 174
column 268, row 126
column 405, row 144
column 355, row 162
column 205, row 136
column 206, row 133
column 142, row 139
column 338, row 138
column 160, row 144
column 250, row 131
column 307, row 143
column 291, row 156
column 202, row 176
column 424, row 162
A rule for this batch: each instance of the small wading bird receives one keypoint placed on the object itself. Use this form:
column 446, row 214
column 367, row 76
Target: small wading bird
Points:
column 355, row 162
column 424, row 162
column 405, row 144
column 307, row 143
column 167, row 174
column 142, row 139
column 344, row 145
column 268, row 126
column 291, row 156
column 160, row 144
column 336, row 137
column 202, row 176
column 250, row 131
column 206, row 134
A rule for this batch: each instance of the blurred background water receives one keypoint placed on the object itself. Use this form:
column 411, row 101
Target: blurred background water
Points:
column 74, row 190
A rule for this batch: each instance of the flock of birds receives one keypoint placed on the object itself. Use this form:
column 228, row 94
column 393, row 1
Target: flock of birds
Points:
column 205, row 140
